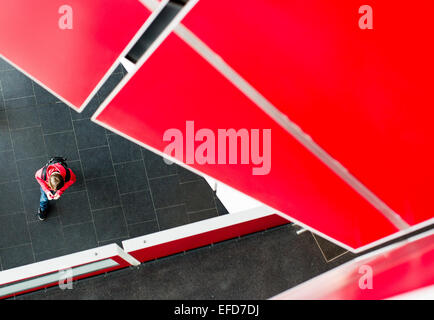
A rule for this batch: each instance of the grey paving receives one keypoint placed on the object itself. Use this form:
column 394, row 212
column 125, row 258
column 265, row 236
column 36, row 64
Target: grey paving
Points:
column 256, row 266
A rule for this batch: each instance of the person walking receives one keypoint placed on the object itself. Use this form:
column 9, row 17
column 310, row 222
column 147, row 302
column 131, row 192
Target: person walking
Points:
column 54, row 178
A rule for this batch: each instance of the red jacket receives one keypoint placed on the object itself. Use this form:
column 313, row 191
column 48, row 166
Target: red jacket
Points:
column 57, row 167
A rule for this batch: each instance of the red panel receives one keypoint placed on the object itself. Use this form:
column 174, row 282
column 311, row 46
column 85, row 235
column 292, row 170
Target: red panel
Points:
column 69, row 62
column 394, row 272
column 206, row 238
column 167, row 92
column 365, row 96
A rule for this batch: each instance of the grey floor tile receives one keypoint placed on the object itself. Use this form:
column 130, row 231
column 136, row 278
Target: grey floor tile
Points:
column 3, row 118
column 109, row 85
column 329, row 249
column 75, row 166
column 110, row 224
column 80, row 237
column 166, row 191
column 16, row 256
column 23, row 118
column 120, row 69
column 55, row 117
column 4, row 65
column 88, row 111
column 8, row 169
column 187, row 175
column 117, row 241
column 89, row 134
column 62, row 145
column 114, row 290
column 155, row 165
column 28, row 143
column 46, row 255
column 5, row 137
column 74, row 208
column 123, row 150
column 96, row 163
column 172, row 217
column 13, row 230
column 220, row 206
column 177, row 277
column 143, row 228
column 131, row 176
column 27, row 169
column 15, row 85
column 31, row 205
column 20, row 103
column 103, row 193
column 10, row 198
column 138, row 207
column 202, row 215
column 198, row 195
column 47, row 235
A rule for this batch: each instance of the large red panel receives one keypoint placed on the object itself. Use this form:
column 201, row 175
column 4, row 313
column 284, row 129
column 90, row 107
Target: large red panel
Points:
column 167, row 92
column 365, row 96
column 71, row 63
column 394, row 271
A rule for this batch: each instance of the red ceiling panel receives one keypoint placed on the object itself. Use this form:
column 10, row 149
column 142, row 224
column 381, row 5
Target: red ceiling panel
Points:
column 365, row 96
column 70, row 62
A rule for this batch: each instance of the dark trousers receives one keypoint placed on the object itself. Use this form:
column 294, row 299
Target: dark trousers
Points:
column 43, row 201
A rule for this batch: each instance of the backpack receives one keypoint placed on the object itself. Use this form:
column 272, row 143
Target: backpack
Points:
column 55, row 160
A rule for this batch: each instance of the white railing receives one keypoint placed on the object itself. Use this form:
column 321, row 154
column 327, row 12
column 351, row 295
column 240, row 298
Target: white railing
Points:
column 63, row 269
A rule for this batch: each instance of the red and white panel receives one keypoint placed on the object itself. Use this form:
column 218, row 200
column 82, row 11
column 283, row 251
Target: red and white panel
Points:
column 166, row 92
column 363, row 96
column 63, row 270
column 71, row 63
column 201, row 233
column 400, row 271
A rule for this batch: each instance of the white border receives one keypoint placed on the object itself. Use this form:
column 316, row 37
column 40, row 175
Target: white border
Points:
column 65, row 262
column 195, row 228
column 133, row 41
column 180, row 29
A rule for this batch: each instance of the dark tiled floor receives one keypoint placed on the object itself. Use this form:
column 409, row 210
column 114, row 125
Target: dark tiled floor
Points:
column 122, row 190
column 256, row 266
column 329, row 250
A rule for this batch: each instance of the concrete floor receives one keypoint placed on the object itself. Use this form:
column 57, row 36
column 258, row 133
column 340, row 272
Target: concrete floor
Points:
column 256, row 266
